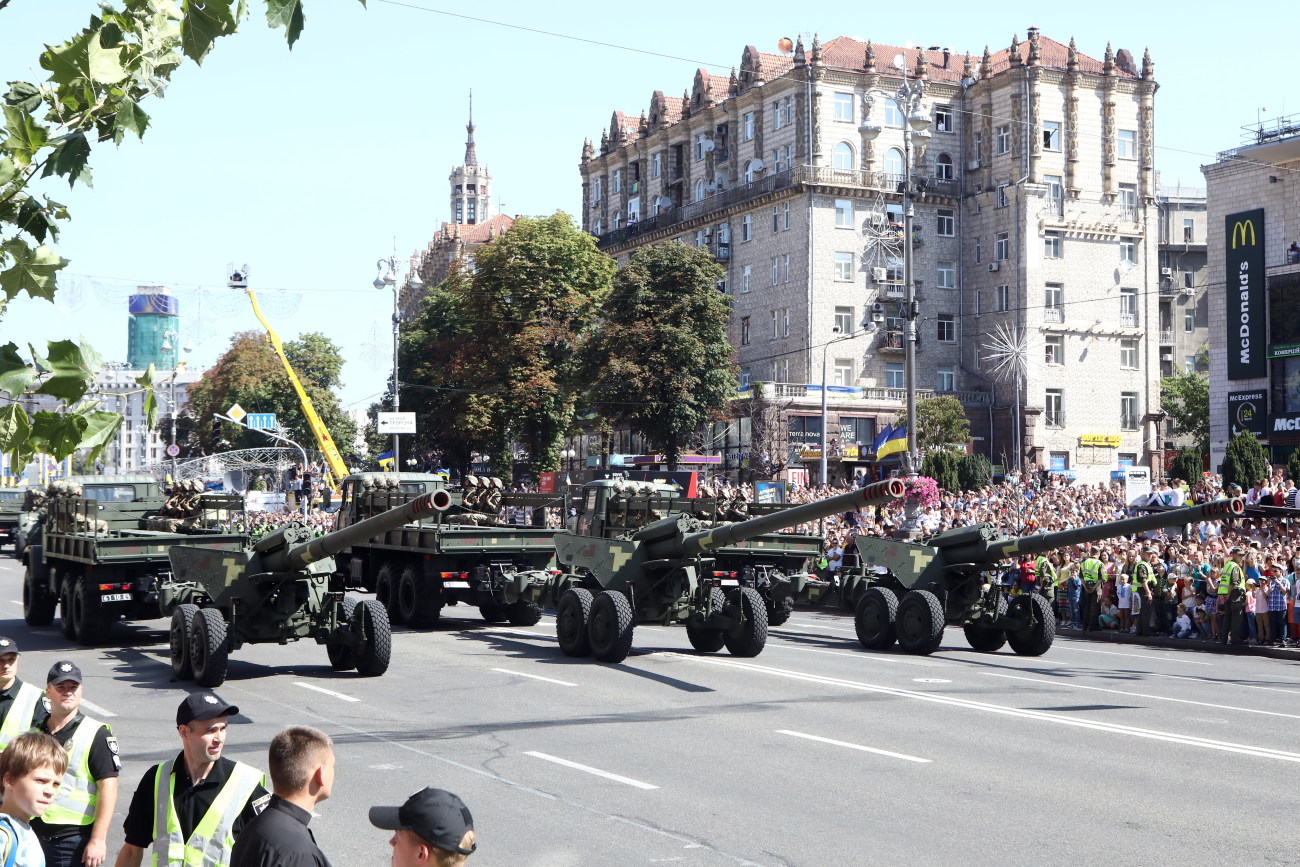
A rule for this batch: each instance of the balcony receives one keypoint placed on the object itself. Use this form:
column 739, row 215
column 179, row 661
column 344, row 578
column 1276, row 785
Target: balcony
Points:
column 1128, row 320
column 811, row 392
column 1166, row 337
column 1053, row 314
column 892, row 342
column 1167, row 287
column 723, row 251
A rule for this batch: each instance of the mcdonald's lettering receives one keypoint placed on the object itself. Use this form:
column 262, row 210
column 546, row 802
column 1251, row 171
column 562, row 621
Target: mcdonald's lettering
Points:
column 1244, row 267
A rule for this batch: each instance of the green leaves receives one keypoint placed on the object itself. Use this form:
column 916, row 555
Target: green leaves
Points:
column 101, row 428
column 130, row 118
column 15, row 374
column 56, row 433
column 204, row 22
column 72, row 368
column 146, row 379
column 70, row 160
column 32, row 270
column 286, row 14
column 25, row 136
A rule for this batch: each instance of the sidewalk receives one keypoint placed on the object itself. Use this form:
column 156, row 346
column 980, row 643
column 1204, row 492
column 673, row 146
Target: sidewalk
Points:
column 1111, row 636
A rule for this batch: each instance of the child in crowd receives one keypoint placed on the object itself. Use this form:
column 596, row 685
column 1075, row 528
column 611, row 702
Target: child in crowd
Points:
column 31, row 771
column 1182, row 624
column 1109, row 616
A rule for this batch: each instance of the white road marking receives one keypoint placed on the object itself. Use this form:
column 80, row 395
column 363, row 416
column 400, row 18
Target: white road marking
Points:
column 1224, row 683
column 590, row 770
column 534, row 676
column 324, row 690
column 1040, row 716
column 16, row 601
column 1144, row 695
column 902, row 756
column 541, row 635
column 930, row 680
column 99, row 711
column 821, row 626
column 1141, row 656
column 854, row 654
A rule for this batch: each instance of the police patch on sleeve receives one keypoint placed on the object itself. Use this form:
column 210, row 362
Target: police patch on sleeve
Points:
column 113, row 748
column 260, row 804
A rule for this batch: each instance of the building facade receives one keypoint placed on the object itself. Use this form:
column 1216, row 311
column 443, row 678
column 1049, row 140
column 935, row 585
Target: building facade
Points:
column 1035, row 238
column 1253, row 279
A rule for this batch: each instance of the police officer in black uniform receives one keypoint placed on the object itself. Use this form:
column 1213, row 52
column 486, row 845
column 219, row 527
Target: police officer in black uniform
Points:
column 16, row 694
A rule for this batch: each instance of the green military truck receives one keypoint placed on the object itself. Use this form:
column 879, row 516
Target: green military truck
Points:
column 11, row 506
column 465, row 554
column 101, row 549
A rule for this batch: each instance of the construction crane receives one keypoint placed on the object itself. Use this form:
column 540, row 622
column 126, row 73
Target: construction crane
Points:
column 336, row 470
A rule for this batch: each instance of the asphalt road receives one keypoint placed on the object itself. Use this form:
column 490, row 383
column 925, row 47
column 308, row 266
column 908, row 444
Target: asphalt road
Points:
column 817, row 752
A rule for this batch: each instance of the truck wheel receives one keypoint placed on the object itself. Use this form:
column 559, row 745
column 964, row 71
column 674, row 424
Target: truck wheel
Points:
column 524, row 613
column 88, row 614
column 920, row 622
column 209, row 648
column 1039, row 630
column 571, row 615
column 343, row 657
column 875, row 618
column 67, row 625
column 708, row 639
column 386, row 592
column 375, row 648
column 38, row 604
column 987, row 639
column 749, row 636
column 418, row 602
column 494, row 613
column 779, row 610
column 609, row 628
column 179, row 640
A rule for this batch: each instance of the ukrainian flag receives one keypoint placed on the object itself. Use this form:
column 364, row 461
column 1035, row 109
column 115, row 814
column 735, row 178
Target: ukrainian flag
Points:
column 895, row 442
column 880, row 438
column 386, row 461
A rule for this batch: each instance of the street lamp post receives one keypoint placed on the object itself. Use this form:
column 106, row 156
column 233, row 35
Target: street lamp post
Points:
column 167, row 345
column 387, row 277
column 825, row 438
column 567, row 455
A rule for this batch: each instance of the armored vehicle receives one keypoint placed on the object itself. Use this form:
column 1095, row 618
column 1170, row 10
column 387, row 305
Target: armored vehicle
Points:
column 625, row 562
column 463, row 554
column 101, row 549
column 11, row 503
column 282, row 588
column 908, row 591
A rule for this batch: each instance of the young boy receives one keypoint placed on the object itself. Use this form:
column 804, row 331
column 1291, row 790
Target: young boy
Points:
column 31, row 771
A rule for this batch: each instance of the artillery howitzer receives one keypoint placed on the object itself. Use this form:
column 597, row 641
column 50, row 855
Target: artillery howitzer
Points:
column 280, row 589
column 908, row 591
column 663, row 572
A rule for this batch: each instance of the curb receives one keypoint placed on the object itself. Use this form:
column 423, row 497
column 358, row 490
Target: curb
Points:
column 1110, row 637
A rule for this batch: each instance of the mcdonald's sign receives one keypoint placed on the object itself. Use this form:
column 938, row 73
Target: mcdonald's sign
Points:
column 1244, row 280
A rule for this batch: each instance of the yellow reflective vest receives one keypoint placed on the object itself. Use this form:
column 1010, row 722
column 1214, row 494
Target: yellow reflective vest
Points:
column 19, row 718
column 79, row 794
column 210, row 843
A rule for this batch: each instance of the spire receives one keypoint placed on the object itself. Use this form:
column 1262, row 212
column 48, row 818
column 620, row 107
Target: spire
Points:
column 922, row 64
column 1035, row 52
column 587, row 150
column 1148, row 66
column 816, row 51
column 1108, row 62
column 986, row 64
column 967, row 68
column 471, row 159
column 1073, row 63
column 733, row 84
column 1013, row 52
column 799, row 58
column 869, row 63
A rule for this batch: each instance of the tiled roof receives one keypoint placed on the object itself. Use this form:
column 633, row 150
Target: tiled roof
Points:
column 774, row 65
column 475, row 233
column 847, row 53
column 674, row 108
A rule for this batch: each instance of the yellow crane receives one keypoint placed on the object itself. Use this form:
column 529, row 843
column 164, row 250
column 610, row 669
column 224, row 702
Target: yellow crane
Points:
column 336, row 469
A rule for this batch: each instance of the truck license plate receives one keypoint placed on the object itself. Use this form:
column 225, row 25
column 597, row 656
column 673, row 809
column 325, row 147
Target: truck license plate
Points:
column 730, row 582
column 115, row 597
column 456, row 585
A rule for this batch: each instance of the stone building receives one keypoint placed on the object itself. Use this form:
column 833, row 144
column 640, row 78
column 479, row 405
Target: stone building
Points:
column 1184, row 313
column 1253, row 279
column 1035, row 238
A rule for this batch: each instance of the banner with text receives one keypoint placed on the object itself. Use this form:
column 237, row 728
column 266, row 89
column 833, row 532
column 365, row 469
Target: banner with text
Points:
column 1244, row 278
column 1247, row 410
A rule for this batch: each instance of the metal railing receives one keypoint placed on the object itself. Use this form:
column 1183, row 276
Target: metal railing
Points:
column 812, row 391
column 1053, row 314
column 1128, row 320
column 1166, row 336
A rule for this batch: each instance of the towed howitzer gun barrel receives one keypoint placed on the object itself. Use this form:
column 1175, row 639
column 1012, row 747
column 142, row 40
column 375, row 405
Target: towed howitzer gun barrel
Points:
column 679, row 537
column 292, row 548
column 1043, row 542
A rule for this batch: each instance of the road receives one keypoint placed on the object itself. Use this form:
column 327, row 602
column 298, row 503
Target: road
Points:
column 814, row 753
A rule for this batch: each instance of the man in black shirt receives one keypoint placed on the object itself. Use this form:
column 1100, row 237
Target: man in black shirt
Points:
column 21, row 707
column 301, row 761
column 213, row 795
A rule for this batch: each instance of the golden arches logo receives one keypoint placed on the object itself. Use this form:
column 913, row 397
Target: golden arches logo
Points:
column 1242, row 229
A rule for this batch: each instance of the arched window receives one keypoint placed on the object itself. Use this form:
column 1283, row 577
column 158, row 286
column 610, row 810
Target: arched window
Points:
column 752, row 168
column 618, row 220
column 595, row 229
column 699, row 190
column 842, row 156
column 894, row 162
column 943, row 167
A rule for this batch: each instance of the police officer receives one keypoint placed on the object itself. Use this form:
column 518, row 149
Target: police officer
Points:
column 188, row 811
column 1143, row 579
column 1232, row 590
column 1045, row 574
column 1090, row 570
column 74, row 830
column 21, row 707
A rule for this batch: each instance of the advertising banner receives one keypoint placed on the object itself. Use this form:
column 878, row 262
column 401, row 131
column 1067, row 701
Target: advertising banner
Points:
column 1244, row 278
column 1247, row 410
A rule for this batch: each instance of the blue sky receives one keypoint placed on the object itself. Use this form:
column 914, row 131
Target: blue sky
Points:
column 310, row 165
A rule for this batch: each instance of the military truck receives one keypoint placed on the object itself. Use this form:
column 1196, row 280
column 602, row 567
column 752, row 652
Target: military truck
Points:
column 11, row 503
column 624, row 562
column 908, row 591
column 101, row 549
column 464, row 554
column 29, row 515
column 281, row 588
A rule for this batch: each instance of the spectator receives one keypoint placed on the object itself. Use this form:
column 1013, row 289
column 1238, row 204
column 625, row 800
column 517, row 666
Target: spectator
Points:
column 1109, row 616
column 433, row 827
column 31, row 769
column 301, row 763
column 1182, row 624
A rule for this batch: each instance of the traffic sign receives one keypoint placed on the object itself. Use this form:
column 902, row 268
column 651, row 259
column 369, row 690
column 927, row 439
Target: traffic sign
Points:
column 236, row 413
column 262, row 421
column 395, row 422
column 173, row 450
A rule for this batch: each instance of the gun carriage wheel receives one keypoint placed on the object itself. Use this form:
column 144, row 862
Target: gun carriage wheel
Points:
column 876, row 617
column 571, row 616
column 609, row 626
column 178, row 639
column 708, row 639
column 1039, row 629
column 342, row 655
column 374, row 647
column 748, row 636
column 920, row 622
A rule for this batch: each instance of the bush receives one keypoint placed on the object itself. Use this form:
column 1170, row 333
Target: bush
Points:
column 941, row 465
column 1245, row 462
column 1293, row 466
column 974, row 472
column 1187, row 465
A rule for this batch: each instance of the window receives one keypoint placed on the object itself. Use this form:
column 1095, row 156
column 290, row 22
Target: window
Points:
column 1127, row 142
column 1051, row 245
column 746, row 227
column 844, row 107
column 656, row 164
column 1128, row 410
column 946, row 275
column 1128, row 353
column 785, row 321
column 785, row 370
column 752, row 168
column 618, row 221
column 945, row 378
column 947, row 223
column 842, row 156
column 844, row 267
column 702, row 143
column 1128, row 250
column 785, row 268
column 893, row 114
column 1189, row 363
column 775, row 372
column 789, row 109
column 1054, row 303
column 1128, row 201
column 894, row 162
column 789, row 156
column 744, row 377
column 776, row 324
column 979, row 304
column 1002, row 246
column 748, row 126
column 1055, row 345
column 778, row 115
column 776, row 218
column 1003, row 294
column 776, row 271
column 744, row 331
column 844, row 371
column 1054, row 408
column 894, row 273
column 1002, row 200
column 785, row 216
column 634, row 210
column 778, row 161
column 746, row 274
column 979, row 252
column 1055, row 193
column 1189, row 321
column 724, row 234
column 947, row 328
column 618, row 181
column 1128, row 308
column 844, row 213
column 978, row 149
column 844, row 319
column 1189, row 231
column 1051, row 135
column 596, row 227
column 699, row 190
column 1002, row 139
column 943, row 120
column 595, row 191
column 943, row 167
column 699, row 237
column 894, row 375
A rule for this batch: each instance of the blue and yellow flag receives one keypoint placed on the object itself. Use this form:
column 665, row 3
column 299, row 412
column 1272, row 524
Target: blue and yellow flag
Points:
column 386, row 461
column 881, row 437
column 896, row 442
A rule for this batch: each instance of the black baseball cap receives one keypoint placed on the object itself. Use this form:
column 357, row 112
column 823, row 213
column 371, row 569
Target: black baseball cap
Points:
column 203, row 706
column 63, row 671
column 434, row 815
column 8, row 645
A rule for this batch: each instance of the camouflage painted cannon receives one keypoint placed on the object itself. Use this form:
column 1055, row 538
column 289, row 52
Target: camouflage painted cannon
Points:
column 282, row 588
column 908, row 591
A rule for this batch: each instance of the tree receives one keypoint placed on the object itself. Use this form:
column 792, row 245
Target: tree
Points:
column 661, row 363
column 1293, row 466
column 974, row 472
column 769, row 442
column 1244, row 463
column 1186, row 398
column 97, row 82
column 941, row 420
column 941, row 465
column 1187, row 466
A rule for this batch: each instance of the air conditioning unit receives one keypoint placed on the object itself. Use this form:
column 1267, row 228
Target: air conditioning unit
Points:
column 1189, row 291
column 879, row 274
column 877, row 317
column 972, row 165
column 877, row 307
column 708, row 231
column 994, row 266
column 1166, row 272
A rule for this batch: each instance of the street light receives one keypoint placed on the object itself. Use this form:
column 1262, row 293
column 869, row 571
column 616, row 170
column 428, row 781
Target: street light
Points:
column 908, row 96
column 825, row 347
column 167, row 346
column 387, row 277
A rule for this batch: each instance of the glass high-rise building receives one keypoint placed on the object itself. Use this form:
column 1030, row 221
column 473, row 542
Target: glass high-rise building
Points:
column 154, row 312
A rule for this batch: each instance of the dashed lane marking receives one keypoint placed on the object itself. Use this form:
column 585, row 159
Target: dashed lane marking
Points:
column 1170, row 658
column 850, row 746
column 590, row 770
column 534, row 676
column 98, row 710
column 313, row 686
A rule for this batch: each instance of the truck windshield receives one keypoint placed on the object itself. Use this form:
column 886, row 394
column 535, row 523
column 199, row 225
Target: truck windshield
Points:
column 110, row 493
column 7, row 496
